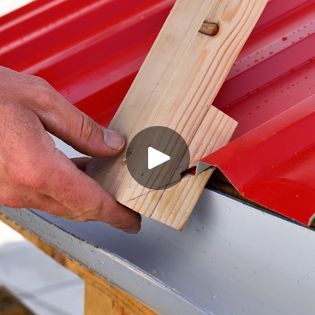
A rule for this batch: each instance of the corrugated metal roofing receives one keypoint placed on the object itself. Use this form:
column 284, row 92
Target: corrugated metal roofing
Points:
column 271, row 92
column 90, row 51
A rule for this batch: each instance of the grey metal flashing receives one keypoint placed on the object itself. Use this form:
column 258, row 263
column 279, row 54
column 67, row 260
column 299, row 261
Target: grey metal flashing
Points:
column 108, row 265
column 201, row 167
column 230, row 259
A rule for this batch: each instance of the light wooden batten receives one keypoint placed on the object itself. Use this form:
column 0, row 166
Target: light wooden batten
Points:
column 175, row 88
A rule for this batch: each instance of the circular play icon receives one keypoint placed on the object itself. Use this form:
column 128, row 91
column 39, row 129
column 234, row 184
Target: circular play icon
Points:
column 156, row 157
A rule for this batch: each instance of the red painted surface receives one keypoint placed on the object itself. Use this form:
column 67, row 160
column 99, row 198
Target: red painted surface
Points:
column 91, row 51
column 271, row 92
column 274, row 164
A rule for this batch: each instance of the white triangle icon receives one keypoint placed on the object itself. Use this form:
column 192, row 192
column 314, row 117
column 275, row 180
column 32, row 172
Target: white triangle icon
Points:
column 156, row 158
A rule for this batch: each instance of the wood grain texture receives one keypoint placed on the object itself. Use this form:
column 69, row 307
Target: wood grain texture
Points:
column 99, row 300
column 111, row 299
column 175, row 88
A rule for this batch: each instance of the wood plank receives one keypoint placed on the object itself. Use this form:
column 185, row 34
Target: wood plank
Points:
column 10, row 305
column 175, row 88
column 99, row 301
column 119, row 298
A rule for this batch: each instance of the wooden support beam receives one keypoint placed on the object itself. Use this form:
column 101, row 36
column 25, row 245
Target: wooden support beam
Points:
column 175, row 88
column 11, row 305
column 101, row 296
column 100, row 300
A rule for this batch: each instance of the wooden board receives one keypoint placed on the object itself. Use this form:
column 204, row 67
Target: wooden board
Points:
column 10, row 305
column 100, row 300
column 175, row 88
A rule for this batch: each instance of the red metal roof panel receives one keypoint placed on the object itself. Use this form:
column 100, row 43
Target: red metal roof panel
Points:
column 274, row 164
column 91, row 51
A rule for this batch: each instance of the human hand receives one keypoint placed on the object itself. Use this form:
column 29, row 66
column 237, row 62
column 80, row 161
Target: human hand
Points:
column 34, row 174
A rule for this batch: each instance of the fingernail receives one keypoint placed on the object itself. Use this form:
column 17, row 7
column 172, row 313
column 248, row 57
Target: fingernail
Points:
column 113, row 139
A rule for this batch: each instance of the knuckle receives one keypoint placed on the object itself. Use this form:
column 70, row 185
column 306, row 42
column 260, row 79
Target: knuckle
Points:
column 87, row 127
column 26, row 177
column 45, row 94
column 33, row 180
column 44, row 97
column 39, row 81
column 91, row 214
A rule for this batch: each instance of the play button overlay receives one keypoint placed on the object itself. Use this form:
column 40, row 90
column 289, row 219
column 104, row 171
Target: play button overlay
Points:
column 156, row 157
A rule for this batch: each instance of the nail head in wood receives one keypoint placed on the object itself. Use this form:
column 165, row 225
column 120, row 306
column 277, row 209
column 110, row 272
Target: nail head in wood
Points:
column 209, row 28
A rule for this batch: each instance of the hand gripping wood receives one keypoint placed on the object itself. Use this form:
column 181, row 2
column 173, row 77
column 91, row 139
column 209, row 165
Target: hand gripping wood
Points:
column 175, row 88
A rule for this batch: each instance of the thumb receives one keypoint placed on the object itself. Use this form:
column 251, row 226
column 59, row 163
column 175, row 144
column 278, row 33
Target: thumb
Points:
column 77, row 129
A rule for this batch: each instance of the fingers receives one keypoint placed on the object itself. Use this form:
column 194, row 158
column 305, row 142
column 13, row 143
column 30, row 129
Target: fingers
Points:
column 34, row 174
column 58, row 115
column 23, row 197
column 86, row 199
column 81, row 162
column 47, row 204
column 71, row 125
